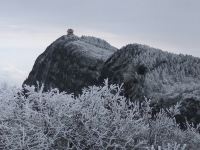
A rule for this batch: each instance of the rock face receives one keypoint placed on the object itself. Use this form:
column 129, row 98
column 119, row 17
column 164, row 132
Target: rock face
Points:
column 70, row 63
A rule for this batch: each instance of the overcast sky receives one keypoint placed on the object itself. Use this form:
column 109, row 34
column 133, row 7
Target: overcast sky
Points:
column 27, row 27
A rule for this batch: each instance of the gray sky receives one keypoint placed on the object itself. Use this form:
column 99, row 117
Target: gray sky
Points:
column 27, row 27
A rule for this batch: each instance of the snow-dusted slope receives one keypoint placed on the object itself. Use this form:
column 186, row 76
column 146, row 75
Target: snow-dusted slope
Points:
column 97, row 42
column 154, row 71
column 164, row 77
column 70, row 63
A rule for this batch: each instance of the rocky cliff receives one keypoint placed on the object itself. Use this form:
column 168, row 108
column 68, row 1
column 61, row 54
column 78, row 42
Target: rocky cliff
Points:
column 70, row 63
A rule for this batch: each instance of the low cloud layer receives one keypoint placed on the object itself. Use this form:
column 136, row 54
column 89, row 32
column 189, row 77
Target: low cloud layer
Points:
column 11, row 75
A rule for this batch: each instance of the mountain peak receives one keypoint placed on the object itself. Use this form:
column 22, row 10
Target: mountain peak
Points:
column 70, row 63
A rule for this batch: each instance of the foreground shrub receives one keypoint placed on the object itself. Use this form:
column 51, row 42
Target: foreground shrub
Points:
column 98, row 119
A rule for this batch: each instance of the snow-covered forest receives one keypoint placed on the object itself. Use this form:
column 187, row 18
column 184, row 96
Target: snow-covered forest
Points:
column 162, row 74
column 99, row 118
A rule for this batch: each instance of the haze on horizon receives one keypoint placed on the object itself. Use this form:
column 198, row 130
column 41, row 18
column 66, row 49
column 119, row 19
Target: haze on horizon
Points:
column 28, row 27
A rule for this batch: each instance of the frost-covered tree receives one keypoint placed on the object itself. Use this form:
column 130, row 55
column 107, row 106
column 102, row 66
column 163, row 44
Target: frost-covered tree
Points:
column 164, row 77
column 99, row 118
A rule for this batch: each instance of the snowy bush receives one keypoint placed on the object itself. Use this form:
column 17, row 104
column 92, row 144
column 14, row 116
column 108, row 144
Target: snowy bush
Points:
column 98, row 119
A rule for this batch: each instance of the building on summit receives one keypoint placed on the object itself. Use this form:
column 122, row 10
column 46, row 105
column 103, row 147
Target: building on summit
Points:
column 70, row 32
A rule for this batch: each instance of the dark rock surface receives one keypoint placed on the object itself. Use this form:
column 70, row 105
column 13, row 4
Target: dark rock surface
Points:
column 70, row 63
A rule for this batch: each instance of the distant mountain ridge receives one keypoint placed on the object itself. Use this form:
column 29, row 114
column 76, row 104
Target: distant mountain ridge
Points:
column 72, row 63
column 151, row 71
